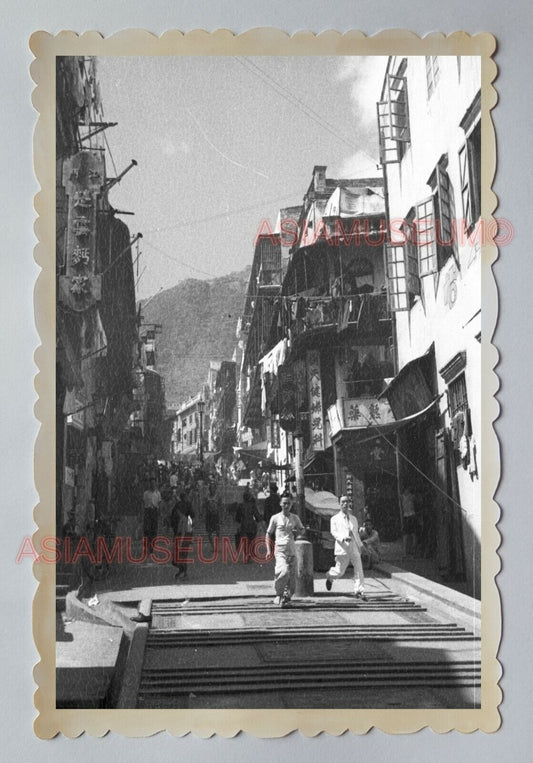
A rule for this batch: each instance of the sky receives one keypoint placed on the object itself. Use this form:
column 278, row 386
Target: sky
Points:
column 222, row 143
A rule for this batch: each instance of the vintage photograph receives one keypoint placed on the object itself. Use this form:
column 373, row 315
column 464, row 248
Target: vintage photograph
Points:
column 269, row 380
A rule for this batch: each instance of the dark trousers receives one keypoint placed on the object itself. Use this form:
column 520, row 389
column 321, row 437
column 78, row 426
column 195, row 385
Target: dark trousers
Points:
column 150, row 525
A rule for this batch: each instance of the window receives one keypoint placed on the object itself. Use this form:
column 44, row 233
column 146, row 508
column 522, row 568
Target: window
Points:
column 425, row 236
column 432, row 74
column 396, row 277
column 453, row 374
column 393, row 117
column 435, row 223
column 470, row 174
column 444, row 211
column 457, row 397
column 411, row 254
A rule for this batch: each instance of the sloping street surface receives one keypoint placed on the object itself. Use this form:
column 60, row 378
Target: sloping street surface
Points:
column 218, row 640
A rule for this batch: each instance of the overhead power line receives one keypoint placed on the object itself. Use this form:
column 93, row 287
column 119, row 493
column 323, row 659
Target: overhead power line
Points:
column 226, row 213
column 284, row 92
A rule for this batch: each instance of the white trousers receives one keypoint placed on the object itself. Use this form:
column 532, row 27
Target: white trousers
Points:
column 284, row 572
column 341, row 563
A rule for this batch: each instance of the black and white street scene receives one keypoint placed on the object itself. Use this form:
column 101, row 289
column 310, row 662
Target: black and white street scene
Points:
column 268, row 382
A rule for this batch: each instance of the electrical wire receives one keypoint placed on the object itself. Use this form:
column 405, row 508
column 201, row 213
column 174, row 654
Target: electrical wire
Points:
column 288, row 95
column 227, row 213
column 406, row 458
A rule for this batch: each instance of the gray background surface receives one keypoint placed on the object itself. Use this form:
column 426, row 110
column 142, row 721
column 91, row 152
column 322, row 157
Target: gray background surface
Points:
column 513, row 118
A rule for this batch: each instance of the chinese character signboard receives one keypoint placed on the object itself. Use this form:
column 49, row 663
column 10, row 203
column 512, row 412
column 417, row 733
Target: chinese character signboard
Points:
column 275, row 433
column 83, row 177
column 359, row 413
column 365, row 412
column 316, row 420
column 287, row 399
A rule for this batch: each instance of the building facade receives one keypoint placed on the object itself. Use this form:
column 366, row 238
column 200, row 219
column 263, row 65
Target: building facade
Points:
column 429, row 118
column 96, row 315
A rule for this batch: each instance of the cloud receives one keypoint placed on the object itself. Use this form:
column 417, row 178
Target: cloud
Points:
column 366, row 75
column 358, row 165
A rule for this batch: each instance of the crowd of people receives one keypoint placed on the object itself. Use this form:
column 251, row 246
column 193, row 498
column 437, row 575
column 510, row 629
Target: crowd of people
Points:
column 180, row 497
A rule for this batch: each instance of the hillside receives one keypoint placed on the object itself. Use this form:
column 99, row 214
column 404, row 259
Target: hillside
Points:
column 198, row 320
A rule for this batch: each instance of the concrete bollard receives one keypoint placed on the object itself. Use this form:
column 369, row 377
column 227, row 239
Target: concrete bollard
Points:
column 304, row 568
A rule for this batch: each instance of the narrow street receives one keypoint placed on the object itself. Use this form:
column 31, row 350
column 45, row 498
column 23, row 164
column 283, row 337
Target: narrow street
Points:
column 219, row 641
column 324, row 382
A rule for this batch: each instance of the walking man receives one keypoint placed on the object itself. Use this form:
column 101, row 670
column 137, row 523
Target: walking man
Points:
column 345, row 530
column 281, row 531
column 151, row 502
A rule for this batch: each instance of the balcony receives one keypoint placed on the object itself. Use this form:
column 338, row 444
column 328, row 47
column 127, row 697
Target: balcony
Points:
column 365, row 313
column 359, row 413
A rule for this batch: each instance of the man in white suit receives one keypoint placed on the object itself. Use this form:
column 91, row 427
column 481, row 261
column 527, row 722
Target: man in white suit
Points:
column 345, row 530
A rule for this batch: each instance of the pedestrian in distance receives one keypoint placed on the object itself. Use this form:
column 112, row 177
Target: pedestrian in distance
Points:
column 370, row 537
column 151, row 505
column 212, row 513
column 409, row 521
column 246, row 518
column 348, row 545
column 281, row 532
column 272, row 502
column 179, row 521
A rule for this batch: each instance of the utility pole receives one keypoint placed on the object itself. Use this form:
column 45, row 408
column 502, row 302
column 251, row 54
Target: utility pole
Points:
column 299, row 471
column 201, row 406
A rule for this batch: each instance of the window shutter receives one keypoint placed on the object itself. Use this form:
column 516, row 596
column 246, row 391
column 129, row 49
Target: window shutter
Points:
column 465, row 185
column 445, row 200
column 388, row 148
column 396, row 277
column 426, row 236
column 398, row 108
column 411, row 254
column 413, row 281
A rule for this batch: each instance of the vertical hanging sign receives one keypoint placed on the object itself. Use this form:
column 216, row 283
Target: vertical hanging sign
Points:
column 83, row 177
column 316, row 419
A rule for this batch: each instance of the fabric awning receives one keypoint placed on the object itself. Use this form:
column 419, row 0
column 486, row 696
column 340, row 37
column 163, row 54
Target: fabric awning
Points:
column 409, row 392
column 321, row 502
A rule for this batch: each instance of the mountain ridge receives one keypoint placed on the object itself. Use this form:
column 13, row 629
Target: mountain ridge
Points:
column 198, row 320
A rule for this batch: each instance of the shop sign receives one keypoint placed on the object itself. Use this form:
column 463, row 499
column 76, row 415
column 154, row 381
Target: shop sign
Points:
column 316, row 419
column 359, row 413
column 287, row 398
column 275, row 433
column 83, row 177
column 365, row 412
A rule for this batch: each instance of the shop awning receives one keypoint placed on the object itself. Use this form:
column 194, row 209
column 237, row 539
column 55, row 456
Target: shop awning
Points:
column 321, row 502
column 409, row 392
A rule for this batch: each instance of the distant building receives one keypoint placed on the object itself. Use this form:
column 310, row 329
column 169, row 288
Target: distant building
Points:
column 187, row 428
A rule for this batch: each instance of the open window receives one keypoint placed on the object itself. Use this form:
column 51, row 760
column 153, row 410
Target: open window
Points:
column 395, row 256
column 411, row 254
column 445, row 232
column 393, row 117
column 435, row 222
column 470, row 165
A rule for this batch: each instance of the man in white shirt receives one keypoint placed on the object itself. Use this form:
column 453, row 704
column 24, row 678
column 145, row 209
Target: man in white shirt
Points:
column 281, row 530
column 345, row 530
